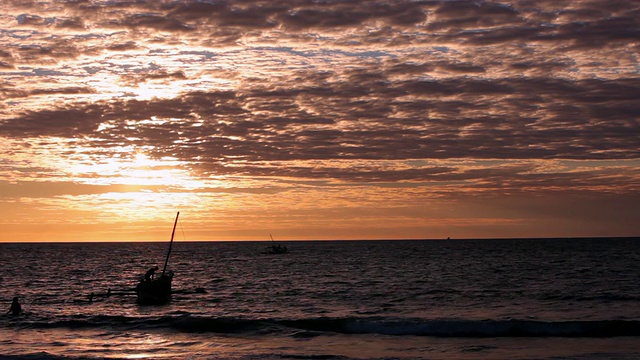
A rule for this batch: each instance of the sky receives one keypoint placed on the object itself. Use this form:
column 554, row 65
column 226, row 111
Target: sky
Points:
column 323, row 119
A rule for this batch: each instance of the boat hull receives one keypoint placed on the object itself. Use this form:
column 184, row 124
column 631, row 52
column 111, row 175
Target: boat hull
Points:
column 276, row 250
column 156, row 291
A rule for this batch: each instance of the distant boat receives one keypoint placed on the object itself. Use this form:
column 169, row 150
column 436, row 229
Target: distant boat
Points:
column 276, row 249
column 157, row 291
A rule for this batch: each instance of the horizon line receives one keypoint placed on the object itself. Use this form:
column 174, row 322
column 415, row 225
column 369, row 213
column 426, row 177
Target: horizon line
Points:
column 328, row 240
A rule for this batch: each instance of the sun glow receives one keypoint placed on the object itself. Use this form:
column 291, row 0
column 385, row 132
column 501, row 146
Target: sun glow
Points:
column 138, row 169
column 148, row 90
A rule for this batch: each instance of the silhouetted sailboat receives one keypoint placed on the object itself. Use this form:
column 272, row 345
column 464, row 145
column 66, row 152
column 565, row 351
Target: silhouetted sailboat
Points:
column 276, row 249
column 157, row 291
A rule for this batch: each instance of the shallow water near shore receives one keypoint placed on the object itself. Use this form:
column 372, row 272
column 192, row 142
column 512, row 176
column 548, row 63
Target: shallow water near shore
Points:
column 453, row 299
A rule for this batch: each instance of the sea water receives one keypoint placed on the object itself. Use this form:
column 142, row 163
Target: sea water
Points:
column 444, row 299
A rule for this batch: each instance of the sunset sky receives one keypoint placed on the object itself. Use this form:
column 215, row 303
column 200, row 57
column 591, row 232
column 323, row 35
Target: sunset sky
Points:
column 323, row 119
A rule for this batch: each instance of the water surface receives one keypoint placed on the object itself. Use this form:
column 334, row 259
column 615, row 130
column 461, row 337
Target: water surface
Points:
column 455, row 299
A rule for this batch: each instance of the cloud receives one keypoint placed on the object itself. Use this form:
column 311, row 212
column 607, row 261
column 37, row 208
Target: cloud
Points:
column 456, row 117
column 240, row 88
column 154, row 75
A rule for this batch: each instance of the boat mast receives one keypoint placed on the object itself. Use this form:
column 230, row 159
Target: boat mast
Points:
column 170, row 243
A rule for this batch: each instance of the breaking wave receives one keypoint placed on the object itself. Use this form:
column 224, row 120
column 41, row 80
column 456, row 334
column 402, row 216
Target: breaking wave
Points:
column 349, row 325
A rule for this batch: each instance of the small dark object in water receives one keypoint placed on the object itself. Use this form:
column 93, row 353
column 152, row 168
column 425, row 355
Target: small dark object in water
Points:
column 15, row 308
column 200, row 290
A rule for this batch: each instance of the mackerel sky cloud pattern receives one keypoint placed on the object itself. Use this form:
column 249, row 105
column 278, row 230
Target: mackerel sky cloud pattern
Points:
column 520, row 118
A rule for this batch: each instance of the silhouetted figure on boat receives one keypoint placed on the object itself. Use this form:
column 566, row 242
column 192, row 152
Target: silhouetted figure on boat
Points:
column 15, row 308
column 150, row 273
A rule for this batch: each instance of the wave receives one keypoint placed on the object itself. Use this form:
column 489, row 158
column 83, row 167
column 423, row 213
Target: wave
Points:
column 310, row 327
column 266, row 356
column 48, row 356
column 498, row 328
column 591, row 298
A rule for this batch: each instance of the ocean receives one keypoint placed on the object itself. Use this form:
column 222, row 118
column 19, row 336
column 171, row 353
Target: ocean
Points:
column 439, row 299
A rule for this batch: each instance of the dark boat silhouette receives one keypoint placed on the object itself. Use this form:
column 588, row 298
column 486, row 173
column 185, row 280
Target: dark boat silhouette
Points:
column 157, row 291
column 276, row 249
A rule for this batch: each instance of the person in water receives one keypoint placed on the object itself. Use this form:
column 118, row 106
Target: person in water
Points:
column 15, row 308
column 150, row 273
